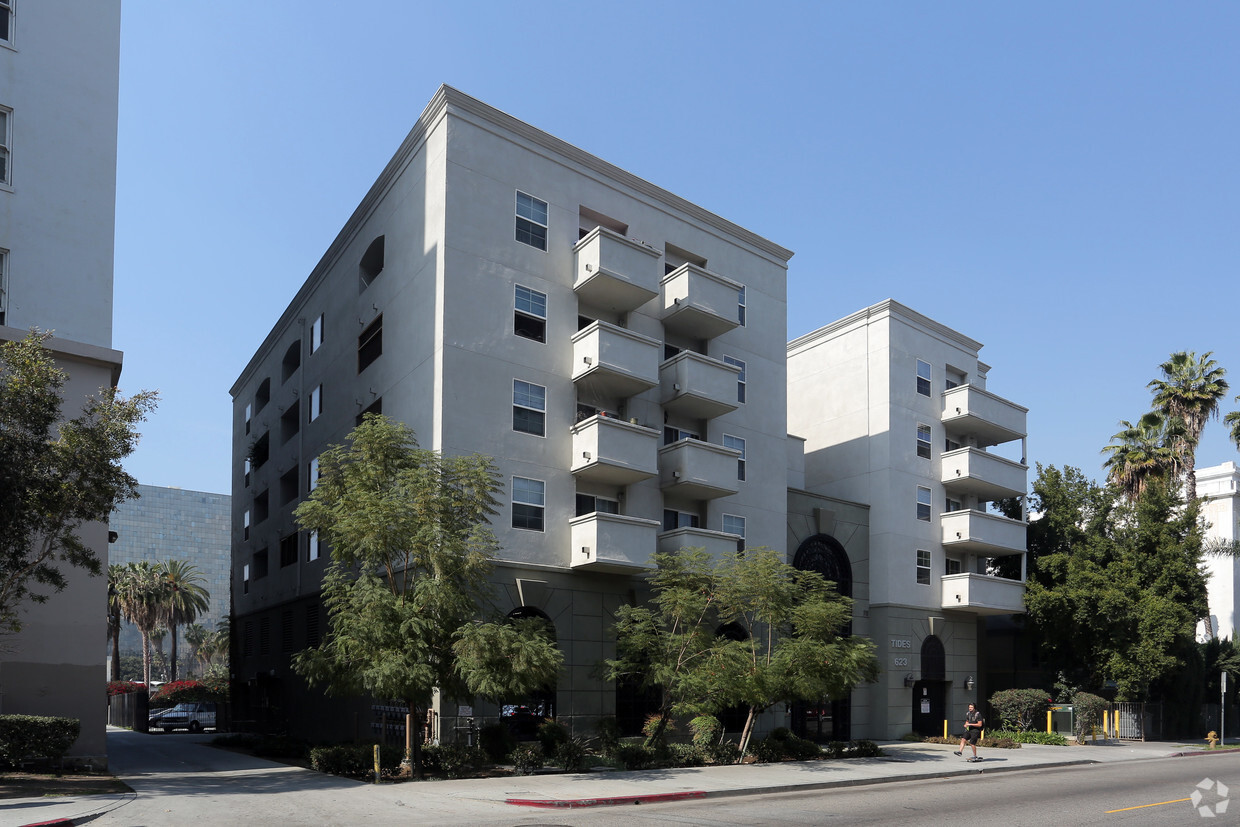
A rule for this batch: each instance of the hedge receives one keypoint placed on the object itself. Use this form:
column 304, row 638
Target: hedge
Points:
column 31, row 736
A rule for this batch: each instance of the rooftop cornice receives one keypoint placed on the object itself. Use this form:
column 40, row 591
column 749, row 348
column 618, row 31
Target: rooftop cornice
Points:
column 889, row 308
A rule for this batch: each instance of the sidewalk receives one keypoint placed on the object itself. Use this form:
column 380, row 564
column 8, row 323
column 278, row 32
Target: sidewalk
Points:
column 902, row 762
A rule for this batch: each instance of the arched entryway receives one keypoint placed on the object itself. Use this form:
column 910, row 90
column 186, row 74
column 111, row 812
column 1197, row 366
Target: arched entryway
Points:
column 930, row 693
column 825, row 720
column 523, row 715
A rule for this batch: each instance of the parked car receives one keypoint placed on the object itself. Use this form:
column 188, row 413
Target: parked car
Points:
column 194, row 717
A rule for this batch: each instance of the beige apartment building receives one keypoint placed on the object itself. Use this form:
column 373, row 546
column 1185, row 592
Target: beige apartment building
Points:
column 57, row 217
column 619, row 351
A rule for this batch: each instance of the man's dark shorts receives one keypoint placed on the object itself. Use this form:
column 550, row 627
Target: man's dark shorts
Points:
column 971, row 734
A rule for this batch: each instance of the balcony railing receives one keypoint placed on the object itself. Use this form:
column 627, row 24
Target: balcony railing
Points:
column 610, row 361
column 614, row 452
column 979, row 532
column 698, row 386
column 698, row 470
column 970, row 411
column 699, row 304
column 989, row 477
column 981, row 594
column 716, row 543
column 615, row 273
column 613, row 543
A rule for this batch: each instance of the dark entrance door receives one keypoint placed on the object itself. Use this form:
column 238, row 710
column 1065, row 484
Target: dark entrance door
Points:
column 929, row 708
column 823, row 721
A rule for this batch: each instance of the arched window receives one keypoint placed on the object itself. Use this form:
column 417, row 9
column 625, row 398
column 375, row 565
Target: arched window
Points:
column 933, row 659
column 372, row 263
column 824, row 554
column 523, row 715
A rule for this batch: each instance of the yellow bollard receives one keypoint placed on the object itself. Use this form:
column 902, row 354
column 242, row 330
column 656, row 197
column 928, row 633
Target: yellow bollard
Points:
column 376, row 763
column 944, row 729
column 1048, row 722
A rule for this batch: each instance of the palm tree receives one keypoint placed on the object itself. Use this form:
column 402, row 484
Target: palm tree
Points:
column 141, row 596
column 157, row 651
column 186, row 599
column 1232, row 420
column 197, row 637
column 116, row 573
column 1189, row 391
column 1143, row 451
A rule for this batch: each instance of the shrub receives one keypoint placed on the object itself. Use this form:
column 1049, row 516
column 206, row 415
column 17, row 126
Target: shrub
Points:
column 526, row 758
column 724, row 753
column 453, row 760
column 1089, row 709
column 912, row 737
column 836, row 749
column 179, row 692
column 634, row 756
column 687, row 755
column 766, row 750
column 706, row 730
column 550, row 735
column 32, row 736
column 124, row 687
column 782, row 745
column 497, row 741
column 608, row 730
column 1051, row 738
column 863, row 749
column 355, row 760
column 1019, row 709
column 571, row 755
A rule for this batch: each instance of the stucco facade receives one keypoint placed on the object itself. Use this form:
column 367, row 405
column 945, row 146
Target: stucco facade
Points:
column 894, row 412
column 618, row 351
column 1219, row 489
column 57, row 202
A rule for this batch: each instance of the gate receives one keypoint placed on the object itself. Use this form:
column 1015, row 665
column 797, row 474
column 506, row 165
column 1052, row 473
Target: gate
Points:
column 1137, row 721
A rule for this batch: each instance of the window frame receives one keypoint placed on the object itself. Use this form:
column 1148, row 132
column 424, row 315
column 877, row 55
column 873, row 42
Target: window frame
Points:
column 537, row 509
column 6, row 147
column 313, row 548
column 316, row 403
column 532, row 224
column 926, row 503
column 737, row 443
column 924, row 382
column 741, row 306
column 694, row 520
column 370, row 343
column 316, row 333
column 924, row 563
column 4, row 284
column 741, row 381
column 313, row 474
column 530, row 311
column 530, row 408
column 735, row 518
column 8, row 12
column 245, row 524
column 924, row 435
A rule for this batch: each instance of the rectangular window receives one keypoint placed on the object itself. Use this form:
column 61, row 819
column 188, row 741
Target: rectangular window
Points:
column 732, row 524
column 923, row 504
column 6, row 21
column 531, row 221
column 375, row 408
column 952, row 505
column 249, row 413
column 923, row 441
column 288, row 550
column 529, row 406
column 952, row 566
column 740, row 379
column 246, row 468
column 529, row 501
column 313, row 474
column 950, row 444
column 923, row 568
column 4, row 284
column 589, row 504
column 245, row 525
column 370, row 344
column 738, row 444
column 671, row 435
column 312, row 546
column 260, row 564
column 923, row 377
column 6, row 144
column 673, row 519
column 316, row 334
column 316, row 402
column 530, row 315
column 740, row 306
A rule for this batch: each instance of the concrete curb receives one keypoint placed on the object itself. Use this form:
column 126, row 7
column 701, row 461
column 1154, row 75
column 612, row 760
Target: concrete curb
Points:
column 570, row 803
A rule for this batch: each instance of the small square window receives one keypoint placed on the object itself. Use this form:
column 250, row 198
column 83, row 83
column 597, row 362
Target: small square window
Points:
column 740, row 379
column 923, row 441
column 530, row 314
column 923, row 568
column 529, row 405
column 529, row 502
column 531, row 221
column 923, row 377
column 738, row 444
column 923, row 504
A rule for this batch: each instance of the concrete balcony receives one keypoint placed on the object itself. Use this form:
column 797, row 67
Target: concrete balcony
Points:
column 614, row 452
column 698, row 386
column 698, row 470
column 615, row 273
column 716, row 543
column 610, row 361
column 612, row 543
column 990, row 419
column 980, row 594
column 699, row 304
column 978, row 532
column 989, row 477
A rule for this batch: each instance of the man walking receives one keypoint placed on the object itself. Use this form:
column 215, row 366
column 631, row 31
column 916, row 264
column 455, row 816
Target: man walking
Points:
column 974, row 723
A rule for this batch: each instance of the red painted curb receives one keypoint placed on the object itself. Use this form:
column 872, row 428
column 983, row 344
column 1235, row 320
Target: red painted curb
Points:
column 568, row 803
column 56, row 822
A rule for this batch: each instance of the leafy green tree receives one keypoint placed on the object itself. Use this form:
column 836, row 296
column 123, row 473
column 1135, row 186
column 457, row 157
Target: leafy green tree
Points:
column 411, row 550
column 1149, row 449
column 187, row 598
column 55, row 475
column 1189, row 392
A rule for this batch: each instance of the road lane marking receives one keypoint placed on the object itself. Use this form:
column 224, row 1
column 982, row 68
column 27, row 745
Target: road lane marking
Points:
column 1143, row 806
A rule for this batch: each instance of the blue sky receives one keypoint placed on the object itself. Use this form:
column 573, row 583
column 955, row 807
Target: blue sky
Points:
column 1060, row 181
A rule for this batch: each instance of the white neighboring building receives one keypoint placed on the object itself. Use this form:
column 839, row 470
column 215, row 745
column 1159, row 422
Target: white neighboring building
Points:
column 59, row 80
column 1218, row 487
column 894, row 411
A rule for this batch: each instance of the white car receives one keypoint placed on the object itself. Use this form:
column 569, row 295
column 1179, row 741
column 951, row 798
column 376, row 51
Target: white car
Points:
column 195, row 717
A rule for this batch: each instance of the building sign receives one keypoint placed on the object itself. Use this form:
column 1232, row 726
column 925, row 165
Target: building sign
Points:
column 901, row 643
